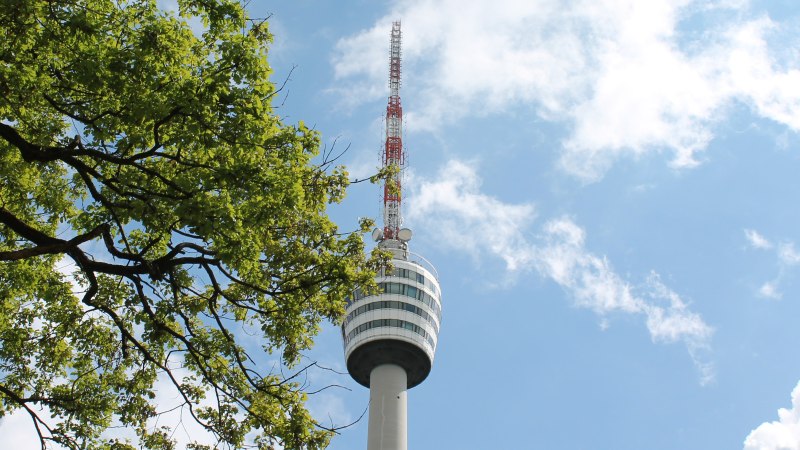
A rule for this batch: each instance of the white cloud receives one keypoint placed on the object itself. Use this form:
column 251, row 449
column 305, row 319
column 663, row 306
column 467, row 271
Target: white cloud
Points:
column 594, row 284
column 756, row 240
column 783, row 434
column 457, row 212
column 786, row 255
column 627, row 77
column 460, row 216
column 770, row 290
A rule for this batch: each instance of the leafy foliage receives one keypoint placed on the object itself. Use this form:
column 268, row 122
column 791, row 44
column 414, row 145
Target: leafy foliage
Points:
column 151, row 158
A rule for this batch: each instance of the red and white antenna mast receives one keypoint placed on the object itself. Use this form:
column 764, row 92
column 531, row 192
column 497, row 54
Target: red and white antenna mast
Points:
column 393, row 152
column 393, row 351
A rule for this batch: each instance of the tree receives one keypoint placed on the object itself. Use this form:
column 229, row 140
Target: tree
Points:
column 150, row 157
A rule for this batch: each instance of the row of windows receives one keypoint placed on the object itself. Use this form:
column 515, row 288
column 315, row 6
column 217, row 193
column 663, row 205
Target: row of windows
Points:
column 391, row 304
column 397, row 323
column 404, row 289
column 411, row 275
column 413, row 292
column 401, row 273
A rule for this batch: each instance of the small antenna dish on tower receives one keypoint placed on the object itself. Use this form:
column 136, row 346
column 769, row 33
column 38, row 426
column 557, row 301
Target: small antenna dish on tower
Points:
column 377, row 234
column 404, row 234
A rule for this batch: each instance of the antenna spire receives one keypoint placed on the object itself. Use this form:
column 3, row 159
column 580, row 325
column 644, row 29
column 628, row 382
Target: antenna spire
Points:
column 393, row 152
column 390, row 334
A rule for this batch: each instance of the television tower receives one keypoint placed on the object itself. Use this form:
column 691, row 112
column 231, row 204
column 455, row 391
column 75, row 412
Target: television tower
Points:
column 390, row 337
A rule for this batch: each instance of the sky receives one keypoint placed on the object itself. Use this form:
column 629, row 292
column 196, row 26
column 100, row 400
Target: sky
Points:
column 608, row 190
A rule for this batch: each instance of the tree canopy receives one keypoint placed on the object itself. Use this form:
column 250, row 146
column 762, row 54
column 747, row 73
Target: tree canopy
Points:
column 149, row 156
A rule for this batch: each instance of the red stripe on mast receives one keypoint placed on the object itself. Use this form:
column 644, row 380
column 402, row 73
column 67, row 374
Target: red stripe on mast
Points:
column 393, row 151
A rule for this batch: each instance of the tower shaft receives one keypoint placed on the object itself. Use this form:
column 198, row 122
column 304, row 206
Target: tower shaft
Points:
column 393, row 155
column 388, row 409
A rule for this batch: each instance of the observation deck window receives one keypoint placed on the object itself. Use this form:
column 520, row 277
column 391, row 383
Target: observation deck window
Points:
column 397, row 323
column 391, row 304
column 403, row 289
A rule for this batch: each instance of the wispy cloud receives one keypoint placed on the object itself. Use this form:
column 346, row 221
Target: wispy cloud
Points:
column 770, row 290
column 591, row 280
column 786, row 256
column 783, row 434
column 458, row 213
column 453, row 208
column 627, row 77
column 756, row 240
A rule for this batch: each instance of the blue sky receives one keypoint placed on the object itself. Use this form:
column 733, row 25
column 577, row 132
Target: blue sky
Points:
column 608, row 190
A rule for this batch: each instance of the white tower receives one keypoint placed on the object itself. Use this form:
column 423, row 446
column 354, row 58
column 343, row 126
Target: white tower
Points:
column 390, row 338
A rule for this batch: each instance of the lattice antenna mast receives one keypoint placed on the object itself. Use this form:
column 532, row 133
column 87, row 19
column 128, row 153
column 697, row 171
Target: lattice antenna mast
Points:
column 393, row 153
column 390, row 335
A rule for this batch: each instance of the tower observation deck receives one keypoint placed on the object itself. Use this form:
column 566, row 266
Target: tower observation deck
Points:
column 390, row 336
